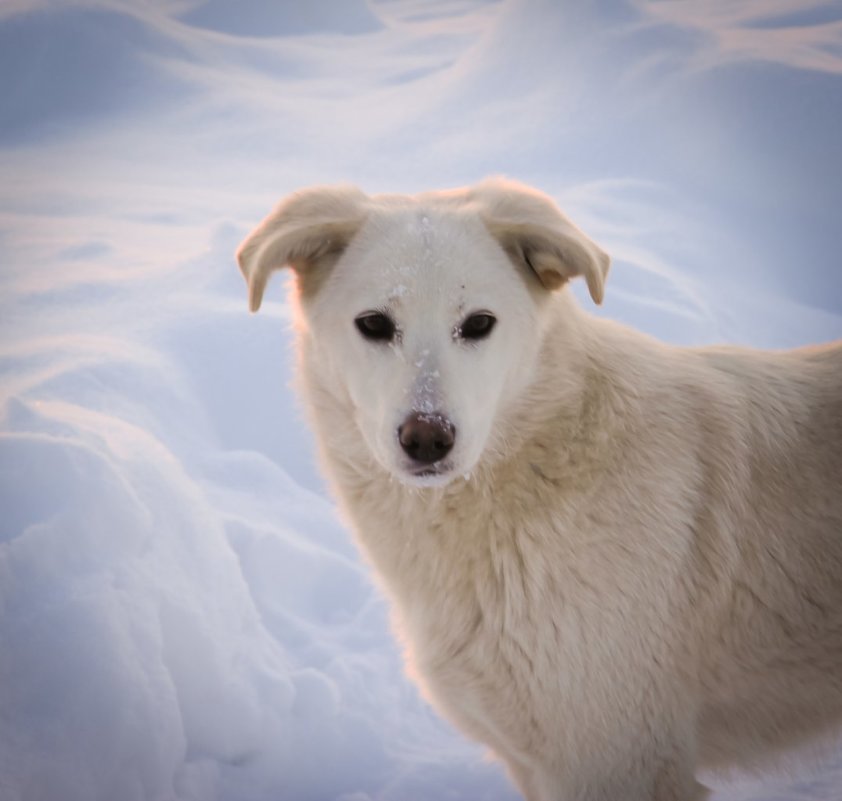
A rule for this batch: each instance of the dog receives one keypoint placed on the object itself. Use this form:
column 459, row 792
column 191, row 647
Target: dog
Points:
column 613, row 561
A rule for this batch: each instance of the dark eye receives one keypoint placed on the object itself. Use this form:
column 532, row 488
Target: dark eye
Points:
column 376, row 326
column 477, row 326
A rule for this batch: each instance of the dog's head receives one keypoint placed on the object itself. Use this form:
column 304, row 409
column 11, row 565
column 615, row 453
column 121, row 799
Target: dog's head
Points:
column 421, row 312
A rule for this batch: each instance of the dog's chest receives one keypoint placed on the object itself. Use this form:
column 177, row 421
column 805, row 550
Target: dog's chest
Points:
column 493, row 652
column 480, row 602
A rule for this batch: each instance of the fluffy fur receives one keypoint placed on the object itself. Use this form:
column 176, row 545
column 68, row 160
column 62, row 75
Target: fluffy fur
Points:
column 629, row 565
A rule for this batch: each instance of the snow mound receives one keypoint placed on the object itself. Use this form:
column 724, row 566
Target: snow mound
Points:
column 284, row 17
column 110, row 64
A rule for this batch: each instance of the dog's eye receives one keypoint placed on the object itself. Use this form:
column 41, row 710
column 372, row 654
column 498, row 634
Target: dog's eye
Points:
column 477, row 326
column 375, row 325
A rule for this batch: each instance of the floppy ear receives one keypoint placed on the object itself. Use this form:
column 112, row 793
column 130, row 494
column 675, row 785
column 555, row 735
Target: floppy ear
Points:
column 533, row 231
column 306, row 231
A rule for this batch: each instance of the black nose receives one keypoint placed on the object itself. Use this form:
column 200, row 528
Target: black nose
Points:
column 426, row 438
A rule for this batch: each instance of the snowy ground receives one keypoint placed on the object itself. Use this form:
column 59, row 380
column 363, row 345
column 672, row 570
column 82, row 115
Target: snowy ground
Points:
column 181, row 614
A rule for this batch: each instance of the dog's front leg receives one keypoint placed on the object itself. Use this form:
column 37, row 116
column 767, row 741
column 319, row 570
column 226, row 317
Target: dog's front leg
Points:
column 538, row 787
column 641, row 778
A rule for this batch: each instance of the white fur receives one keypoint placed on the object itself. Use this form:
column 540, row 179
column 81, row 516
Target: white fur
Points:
column 630, row 564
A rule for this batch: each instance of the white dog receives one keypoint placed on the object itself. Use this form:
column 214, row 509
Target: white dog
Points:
column 614, row 561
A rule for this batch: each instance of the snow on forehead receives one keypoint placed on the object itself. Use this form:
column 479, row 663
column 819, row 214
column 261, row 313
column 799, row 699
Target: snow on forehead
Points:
column 415, row 243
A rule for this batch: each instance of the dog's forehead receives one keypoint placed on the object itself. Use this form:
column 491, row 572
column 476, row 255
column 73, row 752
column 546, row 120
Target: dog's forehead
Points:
column 422, row 248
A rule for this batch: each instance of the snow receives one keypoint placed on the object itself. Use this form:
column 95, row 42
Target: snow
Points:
column 182, row 614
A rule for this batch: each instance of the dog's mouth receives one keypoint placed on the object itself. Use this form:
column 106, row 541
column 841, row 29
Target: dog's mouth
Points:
column 427, row 471
column 428, row 475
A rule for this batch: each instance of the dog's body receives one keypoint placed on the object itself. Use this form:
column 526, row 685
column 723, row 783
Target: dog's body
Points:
column 613, row 561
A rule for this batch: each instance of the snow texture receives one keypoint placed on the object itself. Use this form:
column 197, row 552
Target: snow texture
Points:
column 182, row 615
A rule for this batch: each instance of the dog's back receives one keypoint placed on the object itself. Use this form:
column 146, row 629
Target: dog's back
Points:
column 773, row 673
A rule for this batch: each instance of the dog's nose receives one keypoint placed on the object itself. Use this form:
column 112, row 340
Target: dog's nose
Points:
column 426, row 438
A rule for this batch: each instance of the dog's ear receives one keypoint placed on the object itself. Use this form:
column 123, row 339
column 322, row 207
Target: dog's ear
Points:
column 305, row 231
column 536, row 235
